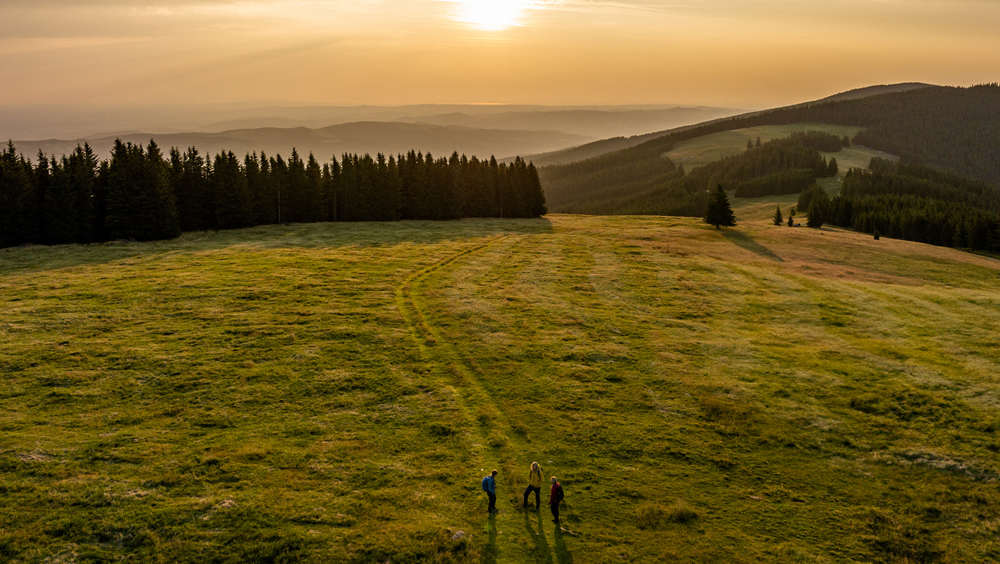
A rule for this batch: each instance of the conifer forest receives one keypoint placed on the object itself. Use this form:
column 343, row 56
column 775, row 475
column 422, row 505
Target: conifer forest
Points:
column 141, row 194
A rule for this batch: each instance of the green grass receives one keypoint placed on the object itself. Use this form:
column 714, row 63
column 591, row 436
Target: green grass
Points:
column 334, row 393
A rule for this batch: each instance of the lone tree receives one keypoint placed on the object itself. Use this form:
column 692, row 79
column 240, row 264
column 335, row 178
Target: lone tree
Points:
column 719, row 213
column 833, row 170
column 777, row 216
column 749, row 145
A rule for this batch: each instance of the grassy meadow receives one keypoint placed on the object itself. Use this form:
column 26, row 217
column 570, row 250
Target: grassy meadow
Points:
column 336, row 392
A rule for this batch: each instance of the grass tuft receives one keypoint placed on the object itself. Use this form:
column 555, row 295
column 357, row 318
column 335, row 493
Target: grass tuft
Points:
column 654, row 516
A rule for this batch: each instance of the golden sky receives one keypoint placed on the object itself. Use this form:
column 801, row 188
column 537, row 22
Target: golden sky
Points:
column 746, row 54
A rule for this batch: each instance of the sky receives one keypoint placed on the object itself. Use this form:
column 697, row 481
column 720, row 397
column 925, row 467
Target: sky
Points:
column 734, row 53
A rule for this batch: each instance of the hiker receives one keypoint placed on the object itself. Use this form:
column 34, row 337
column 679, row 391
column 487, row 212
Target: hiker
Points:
column 555, row 496
column 490, row 487
column 534, row 483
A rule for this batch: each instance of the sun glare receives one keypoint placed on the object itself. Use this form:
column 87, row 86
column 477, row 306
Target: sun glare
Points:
column 492, row 15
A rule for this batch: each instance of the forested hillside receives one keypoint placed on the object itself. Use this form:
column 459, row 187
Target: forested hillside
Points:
column 654, row 185
column 141, row 194
column 953, row 129
column 918, row 203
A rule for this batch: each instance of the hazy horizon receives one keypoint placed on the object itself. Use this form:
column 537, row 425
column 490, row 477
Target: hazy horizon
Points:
column 719, row 53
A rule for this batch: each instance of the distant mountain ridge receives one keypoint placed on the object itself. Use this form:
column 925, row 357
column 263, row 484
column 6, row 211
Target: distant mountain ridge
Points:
column 357, row 137
column 83, row 122
column 595, row 123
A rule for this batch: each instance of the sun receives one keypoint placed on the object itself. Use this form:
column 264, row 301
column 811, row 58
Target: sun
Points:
column 492, row 15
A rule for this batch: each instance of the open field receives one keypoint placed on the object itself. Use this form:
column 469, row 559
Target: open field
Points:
column 335, row 392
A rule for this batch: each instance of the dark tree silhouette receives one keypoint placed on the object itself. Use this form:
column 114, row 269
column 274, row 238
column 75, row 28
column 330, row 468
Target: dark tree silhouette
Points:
column 137, row 194
column 719, row 213
column 815, row 213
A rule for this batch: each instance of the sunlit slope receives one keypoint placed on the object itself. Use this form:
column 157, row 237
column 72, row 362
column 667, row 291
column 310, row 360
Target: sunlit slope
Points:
column 953, row 129
column 334, row 393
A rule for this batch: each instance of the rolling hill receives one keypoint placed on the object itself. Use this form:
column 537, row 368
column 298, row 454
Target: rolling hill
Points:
column 595, row 123
column 953, row 129
column 597, row 148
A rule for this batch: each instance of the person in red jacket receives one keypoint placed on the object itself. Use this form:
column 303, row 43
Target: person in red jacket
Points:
column 555, row 496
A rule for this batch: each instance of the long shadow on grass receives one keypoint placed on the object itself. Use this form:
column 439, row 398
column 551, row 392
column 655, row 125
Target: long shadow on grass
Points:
column 541, row 552
column 489, row 555
column 294, row 236
column 562, row 553
column 743, row 240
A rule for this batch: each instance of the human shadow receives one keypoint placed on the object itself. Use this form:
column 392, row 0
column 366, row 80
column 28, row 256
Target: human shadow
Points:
column 542, row 552
column 563, row 554
column 489, row 554
column 744, row 241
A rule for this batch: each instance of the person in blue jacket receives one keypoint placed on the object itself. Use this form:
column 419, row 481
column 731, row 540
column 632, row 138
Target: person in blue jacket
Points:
column 490, row 487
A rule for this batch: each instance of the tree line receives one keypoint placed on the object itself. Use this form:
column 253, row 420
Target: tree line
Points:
column 914, row 203
column 141, row 194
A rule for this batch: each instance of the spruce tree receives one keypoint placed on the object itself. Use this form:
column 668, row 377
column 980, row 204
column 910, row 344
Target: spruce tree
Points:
column 719, row 213
column 191, row 192
column 140, row 203
column 333, row 191
column 538, row 194
column 777, row 216
column 313, row 195
column 60, row 208
column 394, row 190
column 98, row 221
column 833, row 169
column 815, row 212
column 16, row 198
column 295, row 191
column 279, row 182
column 42, row 187
column 82, row 168
column 749, row 145
column 234, row 206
